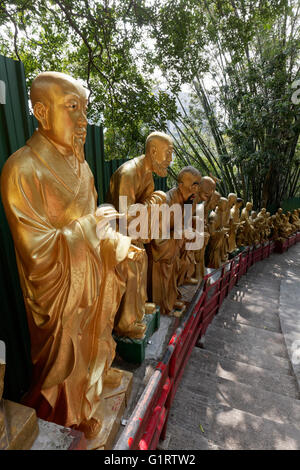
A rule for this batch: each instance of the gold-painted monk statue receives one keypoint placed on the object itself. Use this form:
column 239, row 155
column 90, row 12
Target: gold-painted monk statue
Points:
column 227, row 222
column 295, row 221
column 265, row 230
column 246, row 233
column 234, row 224
column 188, row 181
column 167, row 263
column 282, row 227
column 257, row 223
column 72, row 282
column 133, row 182
column 218, row 235
column 207, row 188
column 289, row 227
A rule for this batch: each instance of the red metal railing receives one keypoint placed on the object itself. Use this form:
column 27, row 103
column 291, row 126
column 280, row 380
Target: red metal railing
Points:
column 148, row 423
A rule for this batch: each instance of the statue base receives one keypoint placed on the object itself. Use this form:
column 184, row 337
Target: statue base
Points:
column 133, row 350
column 236, row 252
column 115, row 402
column 281, row 245
column 178, row 313
column 21, row 426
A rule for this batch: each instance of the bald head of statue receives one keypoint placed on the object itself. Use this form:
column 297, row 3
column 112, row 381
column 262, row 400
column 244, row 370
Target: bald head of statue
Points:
column 206, row 188
column 188, row 180
column 59, row 104
column 159, row 151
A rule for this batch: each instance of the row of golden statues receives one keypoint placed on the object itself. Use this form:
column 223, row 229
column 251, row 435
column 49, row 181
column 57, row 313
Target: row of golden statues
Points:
column 82, row 278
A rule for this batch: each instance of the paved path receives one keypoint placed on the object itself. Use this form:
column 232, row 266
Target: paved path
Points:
column 242, row 389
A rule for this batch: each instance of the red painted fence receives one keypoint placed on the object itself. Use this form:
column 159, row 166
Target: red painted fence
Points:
column 148, row 423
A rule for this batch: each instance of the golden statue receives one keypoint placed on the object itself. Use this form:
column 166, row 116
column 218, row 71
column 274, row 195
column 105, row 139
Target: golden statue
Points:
column 218, row 235
column 72, row 282
column 295, row 221
column 274, row 227
column 227, row 222
column 134, row 182
column 291, row 222
column 269, row 225
column 188, row 182
column 207, row 188
column 288, row 225
column 167, row 254
column 245, row 233
column 257, row 223
column 282, row 227
column 265, row 230
column 234, row 224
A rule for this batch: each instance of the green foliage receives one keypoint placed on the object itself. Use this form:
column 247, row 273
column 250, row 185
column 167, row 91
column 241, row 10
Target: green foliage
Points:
column 243, row 125
column 97, row 42
column 239, row 57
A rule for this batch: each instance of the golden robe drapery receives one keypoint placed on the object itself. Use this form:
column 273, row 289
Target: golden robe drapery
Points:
column 72, row 283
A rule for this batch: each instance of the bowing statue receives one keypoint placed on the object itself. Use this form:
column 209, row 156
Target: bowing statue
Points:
column 207, row 188
column 235, row 223
column 246, row 232
column 72, row 281
column 218, row 234
column 169, row 260
column 228, row 223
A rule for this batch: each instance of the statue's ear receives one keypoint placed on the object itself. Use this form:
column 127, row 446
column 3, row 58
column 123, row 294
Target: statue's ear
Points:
column 153, row 149
column 41, row 113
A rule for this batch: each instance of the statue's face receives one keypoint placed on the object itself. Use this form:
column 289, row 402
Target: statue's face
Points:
column 189, row 186
column 214, row 200
column 67, row 117
column 161, row 156
column 206, row 189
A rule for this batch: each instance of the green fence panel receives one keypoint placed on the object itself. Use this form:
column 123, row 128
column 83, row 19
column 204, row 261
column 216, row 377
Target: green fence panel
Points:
column 15, row 129
column 287, row 205
column 291, row 204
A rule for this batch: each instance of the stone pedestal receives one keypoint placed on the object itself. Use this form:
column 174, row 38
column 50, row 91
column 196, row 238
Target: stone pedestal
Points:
column 133, row 350
column 21, row 426
column 18, row 423
column 115, row 402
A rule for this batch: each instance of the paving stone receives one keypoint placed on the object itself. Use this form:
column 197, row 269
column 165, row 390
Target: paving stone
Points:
column 268, row 341
column 277, row 381
column 249, row 315
column 183, row 439
column 241, row 390
column 244, row 397
column 230, row 428
column 248, row 355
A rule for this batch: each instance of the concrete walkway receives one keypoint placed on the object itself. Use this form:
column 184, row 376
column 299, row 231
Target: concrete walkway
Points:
column 242, row 389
